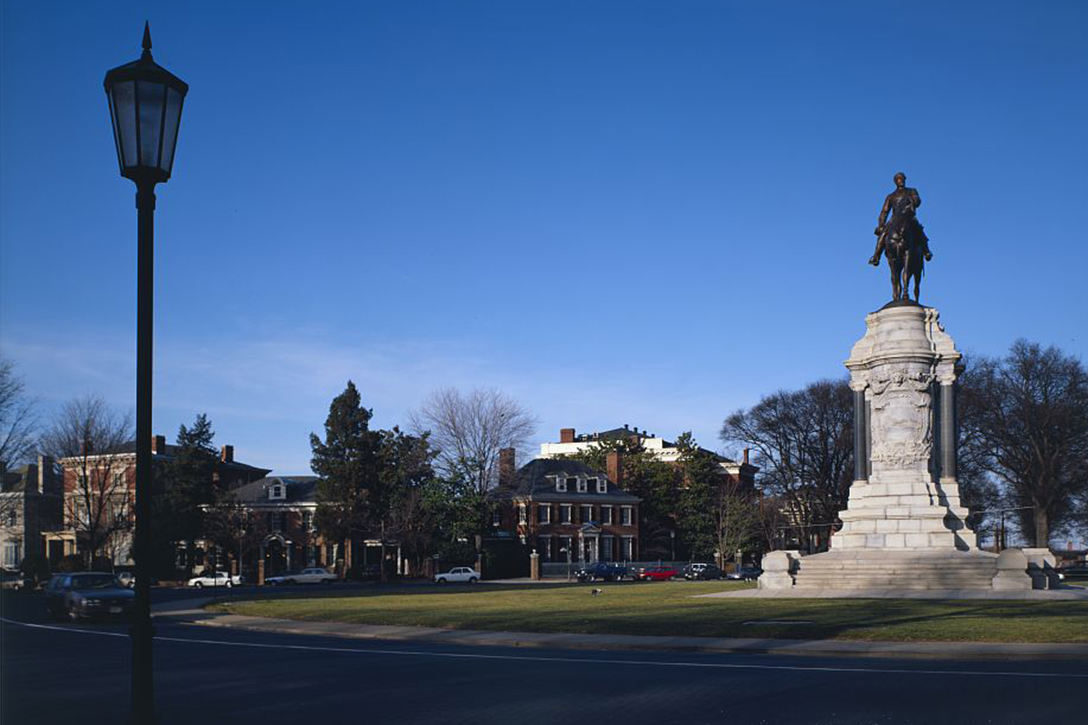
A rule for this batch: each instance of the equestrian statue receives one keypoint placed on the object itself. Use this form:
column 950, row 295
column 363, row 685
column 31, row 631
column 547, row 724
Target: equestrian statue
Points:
column 902, row 239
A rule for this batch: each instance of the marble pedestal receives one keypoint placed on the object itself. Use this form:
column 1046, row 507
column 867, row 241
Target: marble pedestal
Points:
column 904, row 526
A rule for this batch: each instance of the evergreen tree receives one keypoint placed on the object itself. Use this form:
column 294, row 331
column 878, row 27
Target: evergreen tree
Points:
column 349, row 464
column 189, row 485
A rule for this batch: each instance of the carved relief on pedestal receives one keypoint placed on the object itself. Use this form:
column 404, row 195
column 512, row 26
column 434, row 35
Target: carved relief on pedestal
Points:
column 901, row 425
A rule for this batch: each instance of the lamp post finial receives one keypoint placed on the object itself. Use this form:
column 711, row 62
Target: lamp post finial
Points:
column 147, row 38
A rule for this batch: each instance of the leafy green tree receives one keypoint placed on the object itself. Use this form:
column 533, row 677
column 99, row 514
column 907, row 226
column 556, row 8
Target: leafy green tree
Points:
column 396, row 506
column 349, row 463
column 697, row 499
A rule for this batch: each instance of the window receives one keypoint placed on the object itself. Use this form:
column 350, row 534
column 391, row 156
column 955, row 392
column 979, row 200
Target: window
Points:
column 571, row 481
column 606, row 514
column 625, row 516
column 628, row 548
column 544, row 513
column 582, row 485
column 544, row 547
column 308, row 521
column 606, row 548
column 566, row 553
column 561, row 485
column 119, row 480
column 602, row 485
column 11, row 554
column 564, row 513
column 521, row 514
column 586, row 514
column 496, row 518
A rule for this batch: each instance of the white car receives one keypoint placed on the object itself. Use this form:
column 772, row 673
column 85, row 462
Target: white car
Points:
column 218, row 579
column 459, row 574
column 313, row 575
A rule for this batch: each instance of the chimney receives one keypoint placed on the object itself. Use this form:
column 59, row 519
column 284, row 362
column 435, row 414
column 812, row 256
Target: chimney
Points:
column 48, row 482
column 615, row 468
column 226, row 454
column 158, row 444
column 746, row 456
column 31, row 482
column 566, row 435
column 507, row 468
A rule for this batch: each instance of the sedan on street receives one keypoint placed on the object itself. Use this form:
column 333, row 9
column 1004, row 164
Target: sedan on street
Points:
column 313, row 575
column 458, row 574
column 87, row 594
column 216, row 579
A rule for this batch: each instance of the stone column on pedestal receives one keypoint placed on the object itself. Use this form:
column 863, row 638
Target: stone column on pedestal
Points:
column 904, row 525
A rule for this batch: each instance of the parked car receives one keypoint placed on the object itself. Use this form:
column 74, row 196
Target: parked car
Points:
column 12, row 580
column 658, row 573
column 745, row 573
column 87, row 594
column 603, row 570
column 215, row 579
column 699, row 570
column 311, row 575
column 458, row 574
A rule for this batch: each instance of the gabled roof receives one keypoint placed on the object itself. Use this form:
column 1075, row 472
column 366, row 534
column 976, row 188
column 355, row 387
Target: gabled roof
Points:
column 536, row 481
column 300, row 489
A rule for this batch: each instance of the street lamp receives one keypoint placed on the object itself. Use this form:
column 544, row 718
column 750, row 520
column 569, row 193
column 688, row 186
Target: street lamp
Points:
column 145, row 109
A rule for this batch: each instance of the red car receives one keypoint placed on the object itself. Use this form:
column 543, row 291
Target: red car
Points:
column 658, row 573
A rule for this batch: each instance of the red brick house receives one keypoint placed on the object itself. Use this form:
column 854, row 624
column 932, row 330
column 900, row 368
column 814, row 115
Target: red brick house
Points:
column 563, row 506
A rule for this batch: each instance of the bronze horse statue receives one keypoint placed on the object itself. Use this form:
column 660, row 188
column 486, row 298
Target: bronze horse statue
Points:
column 902, row 240
column 904, row 250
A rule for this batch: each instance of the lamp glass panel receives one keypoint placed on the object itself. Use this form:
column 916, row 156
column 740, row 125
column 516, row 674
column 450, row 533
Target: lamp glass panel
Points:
column 124, row 110
column 116, row 135
column 170, row 130
column 151, row 110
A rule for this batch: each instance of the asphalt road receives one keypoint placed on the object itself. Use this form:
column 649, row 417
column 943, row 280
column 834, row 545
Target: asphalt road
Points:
column 66, row 673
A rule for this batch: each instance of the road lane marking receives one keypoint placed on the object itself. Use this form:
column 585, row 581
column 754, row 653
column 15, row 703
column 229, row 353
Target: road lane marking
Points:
column 567, row 660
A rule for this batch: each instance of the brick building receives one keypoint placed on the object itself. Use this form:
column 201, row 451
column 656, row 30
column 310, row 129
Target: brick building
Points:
column 110, row 476
column 30, row 506
column 561, row 506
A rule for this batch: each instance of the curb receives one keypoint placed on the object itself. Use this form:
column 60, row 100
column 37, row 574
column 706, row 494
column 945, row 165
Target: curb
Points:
column 191, row 612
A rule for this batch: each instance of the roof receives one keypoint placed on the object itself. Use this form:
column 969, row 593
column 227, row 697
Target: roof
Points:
column 14, row 481
column 170, row 451
column 626, row 433
column 300, row 489
column 536, row 481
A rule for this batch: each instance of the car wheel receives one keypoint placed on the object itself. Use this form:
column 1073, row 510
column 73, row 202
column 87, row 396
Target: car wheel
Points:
column 291, row 582
column 73, row 614
column 472, row 580
column 199, row 585
column 326, row 581
column 230, row 584
column 441, row 580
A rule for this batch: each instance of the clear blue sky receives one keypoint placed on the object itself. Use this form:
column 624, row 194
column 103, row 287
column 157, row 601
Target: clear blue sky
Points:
column 617, row 212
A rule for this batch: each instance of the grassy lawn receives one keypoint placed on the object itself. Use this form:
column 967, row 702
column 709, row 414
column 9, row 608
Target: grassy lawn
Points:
column 668, row 608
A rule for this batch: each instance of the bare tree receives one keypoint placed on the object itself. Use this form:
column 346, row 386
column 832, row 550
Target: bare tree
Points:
column 805, row 442
column 1028, row 415
column 469, row 430
column 87, row 438
column 736, row 517
column 18, row 422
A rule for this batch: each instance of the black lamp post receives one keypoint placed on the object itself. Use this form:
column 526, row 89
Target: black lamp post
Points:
column 145, row 108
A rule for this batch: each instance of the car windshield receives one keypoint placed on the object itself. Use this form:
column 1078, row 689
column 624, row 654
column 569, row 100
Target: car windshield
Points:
column 93, row 581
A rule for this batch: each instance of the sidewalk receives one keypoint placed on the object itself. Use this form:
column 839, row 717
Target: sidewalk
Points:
column 191, row 611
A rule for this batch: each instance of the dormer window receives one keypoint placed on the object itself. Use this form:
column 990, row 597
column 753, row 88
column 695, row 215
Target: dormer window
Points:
column 277, row 492
column 600, row 484
column 582, row 488
column 560, row 485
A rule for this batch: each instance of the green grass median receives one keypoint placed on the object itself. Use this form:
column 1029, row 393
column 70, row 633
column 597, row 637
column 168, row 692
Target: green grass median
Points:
column 669, row 608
